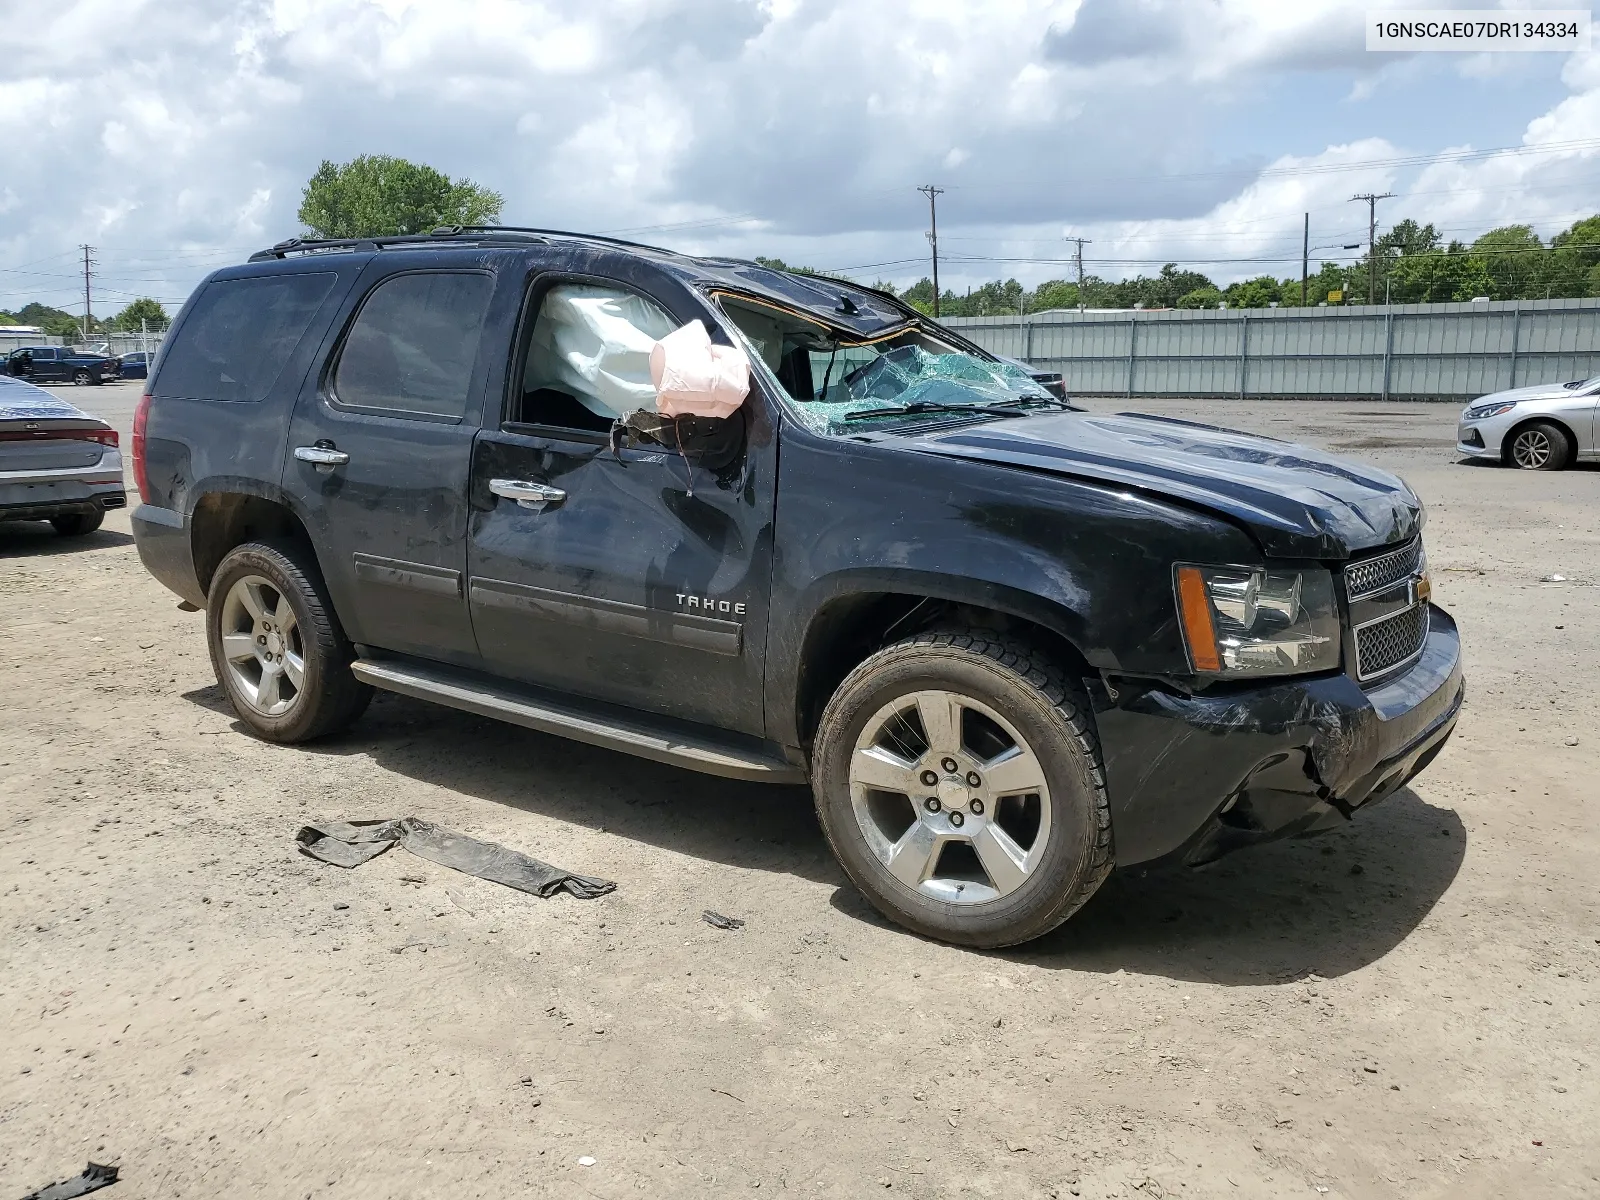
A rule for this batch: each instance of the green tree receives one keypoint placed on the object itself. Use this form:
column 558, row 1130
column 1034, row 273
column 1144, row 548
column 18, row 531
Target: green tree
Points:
column 1201, row 297
column 376, row 195
column 1053, row 293
column 1260, row 292
column 143, row 310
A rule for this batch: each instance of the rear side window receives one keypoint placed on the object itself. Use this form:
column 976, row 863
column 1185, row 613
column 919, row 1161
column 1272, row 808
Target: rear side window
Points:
column 241, row 332
column 413, row 345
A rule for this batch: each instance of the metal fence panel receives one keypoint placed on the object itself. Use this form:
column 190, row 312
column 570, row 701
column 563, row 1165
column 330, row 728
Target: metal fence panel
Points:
column 1409, row 351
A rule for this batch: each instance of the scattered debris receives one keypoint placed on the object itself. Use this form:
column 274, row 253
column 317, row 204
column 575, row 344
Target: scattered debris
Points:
column 729, row 1095
column 351, row 843
column 95, row 1176
column 1016, row 1147
column 721, row 922
column 1552, row 579
column 586, row 1161
column 1572, row 741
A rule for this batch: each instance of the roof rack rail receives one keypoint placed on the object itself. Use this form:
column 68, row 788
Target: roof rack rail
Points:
column 472, row 234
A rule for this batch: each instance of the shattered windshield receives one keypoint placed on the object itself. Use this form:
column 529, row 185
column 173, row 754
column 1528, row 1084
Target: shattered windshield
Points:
column 840, row 384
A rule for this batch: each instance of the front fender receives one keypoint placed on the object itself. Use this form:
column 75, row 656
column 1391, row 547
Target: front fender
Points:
column 1091, row 563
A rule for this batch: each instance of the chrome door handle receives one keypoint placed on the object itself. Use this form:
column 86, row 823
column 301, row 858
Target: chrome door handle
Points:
column 526, row 493
column 322, row 456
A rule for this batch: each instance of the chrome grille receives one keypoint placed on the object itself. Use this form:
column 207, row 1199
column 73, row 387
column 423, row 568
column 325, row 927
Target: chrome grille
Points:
column 1390, row 642
column 1374, row 574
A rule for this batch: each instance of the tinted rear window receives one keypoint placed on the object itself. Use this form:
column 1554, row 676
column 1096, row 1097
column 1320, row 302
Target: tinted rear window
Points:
column 412, row 348
column 239, row 335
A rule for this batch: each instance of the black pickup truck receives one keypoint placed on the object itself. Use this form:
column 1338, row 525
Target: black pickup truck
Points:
column 1009, row 644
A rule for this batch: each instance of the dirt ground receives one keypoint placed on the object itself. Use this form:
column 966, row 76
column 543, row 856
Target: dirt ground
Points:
column 1406, row 1008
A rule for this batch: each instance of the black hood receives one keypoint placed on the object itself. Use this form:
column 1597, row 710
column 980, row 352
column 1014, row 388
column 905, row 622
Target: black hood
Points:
column 1296, row 501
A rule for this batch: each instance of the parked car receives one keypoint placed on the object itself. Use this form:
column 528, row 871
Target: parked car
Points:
column 1051, row 381
column 135, row 365
column 57, row 364
column 1010, row 645
column 1546, row 427
column 57, row 463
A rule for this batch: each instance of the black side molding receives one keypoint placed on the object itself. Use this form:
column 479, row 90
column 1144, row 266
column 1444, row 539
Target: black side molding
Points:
column 630, row 733
column 612, row 616
column 396, row 572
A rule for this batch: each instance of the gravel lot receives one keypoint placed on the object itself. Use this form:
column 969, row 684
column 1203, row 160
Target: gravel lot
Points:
column 1405, row 1008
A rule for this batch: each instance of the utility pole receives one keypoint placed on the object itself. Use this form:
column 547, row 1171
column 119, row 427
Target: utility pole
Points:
column 932, row 193
column 87, row 314
column 1305, row 259
column 1081, row 241
column 1372, row 236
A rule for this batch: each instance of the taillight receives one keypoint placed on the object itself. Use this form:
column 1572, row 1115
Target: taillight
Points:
column 141, row 418
column 65, row 433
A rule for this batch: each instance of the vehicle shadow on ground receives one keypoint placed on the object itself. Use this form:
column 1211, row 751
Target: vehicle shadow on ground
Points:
column 1326, row 906
column 37, row 539
column 760, row 826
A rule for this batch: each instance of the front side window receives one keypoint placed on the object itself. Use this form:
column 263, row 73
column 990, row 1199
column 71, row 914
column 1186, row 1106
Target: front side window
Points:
column 588, row 360
column 413, row 345
column 840, row 383
column 238, row 336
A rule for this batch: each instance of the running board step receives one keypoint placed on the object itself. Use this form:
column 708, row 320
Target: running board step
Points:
column 614, row 733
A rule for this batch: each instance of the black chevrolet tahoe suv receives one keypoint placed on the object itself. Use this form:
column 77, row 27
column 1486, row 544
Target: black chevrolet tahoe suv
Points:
column 1009, row 644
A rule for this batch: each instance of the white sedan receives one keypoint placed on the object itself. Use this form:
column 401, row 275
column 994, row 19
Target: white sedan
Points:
column 1543, row 428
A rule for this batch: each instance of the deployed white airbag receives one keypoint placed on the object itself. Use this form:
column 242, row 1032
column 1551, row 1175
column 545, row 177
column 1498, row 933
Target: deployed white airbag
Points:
column 695, row 377
column 595, row 343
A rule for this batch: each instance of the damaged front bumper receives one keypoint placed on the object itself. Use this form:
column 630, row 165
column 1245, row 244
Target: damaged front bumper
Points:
column 1193, row 777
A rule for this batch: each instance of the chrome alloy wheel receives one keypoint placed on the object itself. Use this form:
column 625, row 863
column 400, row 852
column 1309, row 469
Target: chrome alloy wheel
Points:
column 950, row 797
column 262, row 647
column 1532, row 449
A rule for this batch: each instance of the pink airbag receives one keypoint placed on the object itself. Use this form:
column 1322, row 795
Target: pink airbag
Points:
column 694, row 377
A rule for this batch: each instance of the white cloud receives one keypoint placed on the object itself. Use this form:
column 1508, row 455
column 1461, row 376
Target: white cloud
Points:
column 790, row 127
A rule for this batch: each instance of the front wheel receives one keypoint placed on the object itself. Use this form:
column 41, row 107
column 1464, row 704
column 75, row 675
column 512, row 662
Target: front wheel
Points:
column 1541, row 446
column 277, row 647
column 957, row 777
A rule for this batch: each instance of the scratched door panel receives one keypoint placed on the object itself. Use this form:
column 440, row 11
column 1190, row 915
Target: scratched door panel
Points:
column 630, row 589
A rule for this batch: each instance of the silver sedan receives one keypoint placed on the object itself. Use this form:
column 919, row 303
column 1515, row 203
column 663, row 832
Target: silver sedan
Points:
column 1542, row 428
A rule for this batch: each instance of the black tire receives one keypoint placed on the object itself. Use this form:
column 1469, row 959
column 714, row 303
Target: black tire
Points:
column 81, row 378
column 1048, row 708
column 331, row 697
column 76, row 524
column 1540, row 446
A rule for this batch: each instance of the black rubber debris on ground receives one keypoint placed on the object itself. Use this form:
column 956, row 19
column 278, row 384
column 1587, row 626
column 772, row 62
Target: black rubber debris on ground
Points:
column 720, row 921
column 351, row 843
column 95, row 1176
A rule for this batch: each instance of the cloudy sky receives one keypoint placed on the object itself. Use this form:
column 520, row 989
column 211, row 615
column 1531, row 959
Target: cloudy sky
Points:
column 175, row 136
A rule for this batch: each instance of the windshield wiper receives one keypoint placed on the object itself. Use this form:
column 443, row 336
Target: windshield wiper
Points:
column 1004, row 408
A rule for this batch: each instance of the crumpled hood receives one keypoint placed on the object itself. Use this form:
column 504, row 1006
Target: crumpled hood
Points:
column 1298, row 502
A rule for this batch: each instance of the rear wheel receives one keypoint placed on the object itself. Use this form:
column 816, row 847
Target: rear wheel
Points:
column 81, row 377
column 1541, row 446
column 958, row 779
column 277, row 648
column 78, row 523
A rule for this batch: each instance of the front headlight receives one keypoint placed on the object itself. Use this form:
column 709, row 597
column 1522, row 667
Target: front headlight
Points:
column 1488, row 410
column 1244, row 621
